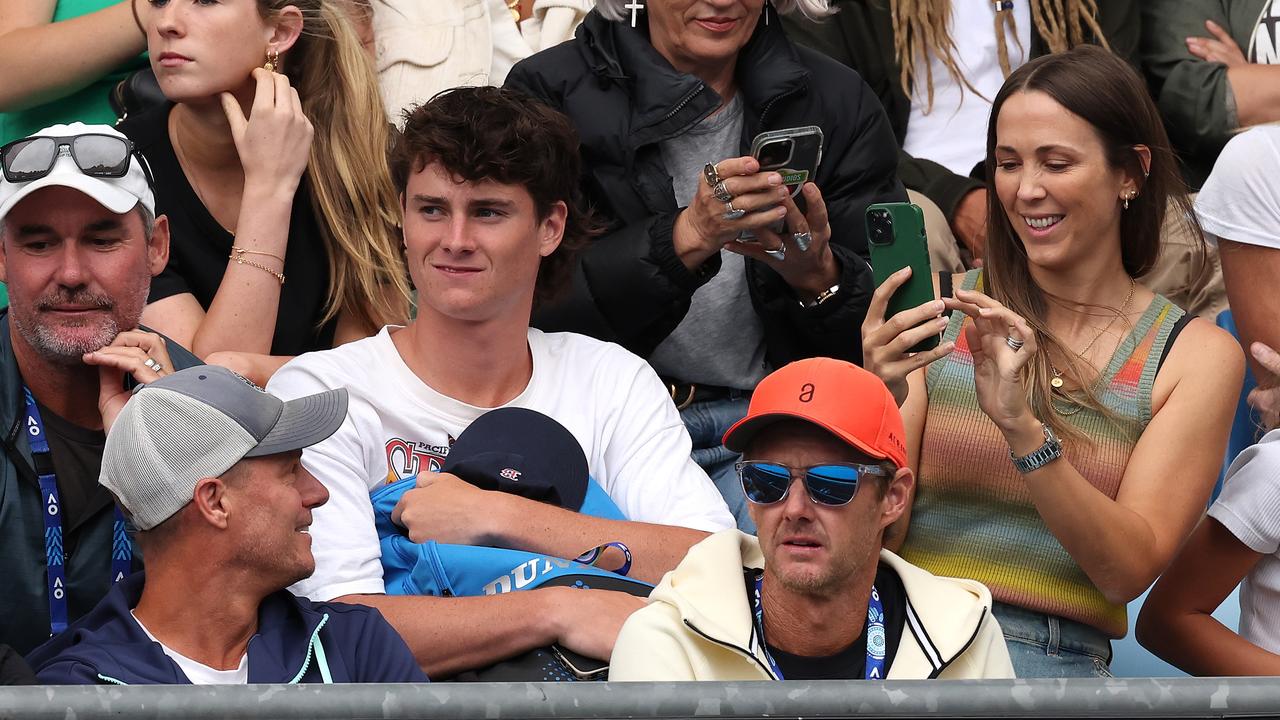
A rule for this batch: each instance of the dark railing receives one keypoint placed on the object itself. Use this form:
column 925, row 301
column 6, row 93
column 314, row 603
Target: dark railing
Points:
column 1136, row 698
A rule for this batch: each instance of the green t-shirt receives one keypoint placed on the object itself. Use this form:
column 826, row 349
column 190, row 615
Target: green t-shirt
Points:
column 87, row 105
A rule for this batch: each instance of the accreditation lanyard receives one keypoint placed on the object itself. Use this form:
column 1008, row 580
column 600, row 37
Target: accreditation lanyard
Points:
column 55, row 557
column 875, row 633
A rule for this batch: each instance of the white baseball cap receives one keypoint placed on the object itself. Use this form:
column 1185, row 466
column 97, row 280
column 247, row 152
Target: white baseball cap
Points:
column 119, row 195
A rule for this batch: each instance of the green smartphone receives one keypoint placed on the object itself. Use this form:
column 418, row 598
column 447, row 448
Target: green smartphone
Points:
column 896, row 238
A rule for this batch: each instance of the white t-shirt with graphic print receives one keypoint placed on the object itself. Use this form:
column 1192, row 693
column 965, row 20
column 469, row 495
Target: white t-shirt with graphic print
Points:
column 397, row 426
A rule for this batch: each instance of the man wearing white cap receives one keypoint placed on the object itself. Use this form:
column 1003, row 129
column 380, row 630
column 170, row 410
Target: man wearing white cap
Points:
column 79, row 243
column 208, row 467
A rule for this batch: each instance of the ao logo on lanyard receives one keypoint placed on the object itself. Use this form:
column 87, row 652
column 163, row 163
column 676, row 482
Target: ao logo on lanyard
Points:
column 55, row 556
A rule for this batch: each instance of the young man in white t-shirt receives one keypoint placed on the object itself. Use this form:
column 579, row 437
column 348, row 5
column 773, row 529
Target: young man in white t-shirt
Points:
column 487, row 182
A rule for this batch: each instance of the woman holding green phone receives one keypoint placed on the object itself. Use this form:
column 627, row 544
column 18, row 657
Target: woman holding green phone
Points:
column 1064, row 434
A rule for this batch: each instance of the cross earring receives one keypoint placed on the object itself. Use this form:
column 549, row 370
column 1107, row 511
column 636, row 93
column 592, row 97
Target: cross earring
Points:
column 634, row 6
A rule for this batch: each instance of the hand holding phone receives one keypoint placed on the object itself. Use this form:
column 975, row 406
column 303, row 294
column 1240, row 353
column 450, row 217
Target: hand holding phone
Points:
column 904, row 292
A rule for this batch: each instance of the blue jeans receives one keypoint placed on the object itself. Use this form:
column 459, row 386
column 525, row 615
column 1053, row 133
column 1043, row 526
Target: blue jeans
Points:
column 1047, row 646
column 707, row 423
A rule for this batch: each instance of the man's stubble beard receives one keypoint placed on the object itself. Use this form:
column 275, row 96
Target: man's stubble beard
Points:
column 67, row 349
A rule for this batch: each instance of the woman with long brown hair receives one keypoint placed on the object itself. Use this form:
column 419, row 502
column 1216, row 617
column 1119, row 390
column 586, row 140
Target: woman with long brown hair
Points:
column 1068, row 430
column 271, row 166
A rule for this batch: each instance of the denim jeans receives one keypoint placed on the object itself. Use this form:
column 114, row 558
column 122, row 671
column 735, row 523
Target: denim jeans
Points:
column 1047, row 646
column 707, row 423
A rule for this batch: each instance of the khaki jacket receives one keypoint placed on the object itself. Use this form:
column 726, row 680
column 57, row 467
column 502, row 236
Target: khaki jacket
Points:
column 698, row 624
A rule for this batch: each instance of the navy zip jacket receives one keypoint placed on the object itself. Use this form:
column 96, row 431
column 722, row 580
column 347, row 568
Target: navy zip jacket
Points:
column 298, row 641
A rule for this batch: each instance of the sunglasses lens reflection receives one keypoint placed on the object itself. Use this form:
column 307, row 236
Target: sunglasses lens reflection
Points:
column 832, row 484
column 101, row 155
column 765, row 483
column 30, row 159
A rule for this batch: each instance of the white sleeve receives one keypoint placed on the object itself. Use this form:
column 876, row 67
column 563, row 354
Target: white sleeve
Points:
column 343, row 538
column 1249, row 506
column 1241, row 199
column 653, row 477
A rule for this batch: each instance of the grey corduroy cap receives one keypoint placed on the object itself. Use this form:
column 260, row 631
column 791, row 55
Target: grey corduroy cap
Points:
column 198, row 423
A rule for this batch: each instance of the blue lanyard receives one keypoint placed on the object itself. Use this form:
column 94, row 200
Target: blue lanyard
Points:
column 875, row 633
column 55, row 558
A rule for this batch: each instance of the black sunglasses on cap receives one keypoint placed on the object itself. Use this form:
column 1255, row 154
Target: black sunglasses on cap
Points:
column 766, row 483
column 97, row 155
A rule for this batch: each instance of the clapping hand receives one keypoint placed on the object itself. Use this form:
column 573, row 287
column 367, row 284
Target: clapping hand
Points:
column 1002, row 343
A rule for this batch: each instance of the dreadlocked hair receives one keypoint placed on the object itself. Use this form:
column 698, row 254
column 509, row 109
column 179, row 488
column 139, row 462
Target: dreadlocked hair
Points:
column 922, row 29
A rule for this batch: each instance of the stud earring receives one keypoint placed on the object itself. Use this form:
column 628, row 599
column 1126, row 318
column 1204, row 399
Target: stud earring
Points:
column 273, row 57
column 634, row 6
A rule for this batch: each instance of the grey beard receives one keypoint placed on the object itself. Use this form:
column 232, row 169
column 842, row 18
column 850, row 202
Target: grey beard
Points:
column 63, row 351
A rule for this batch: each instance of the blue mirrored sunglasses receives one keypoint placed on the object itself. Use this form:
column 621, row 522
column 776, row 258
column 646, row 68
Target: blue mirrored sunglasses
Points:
column 766, row 483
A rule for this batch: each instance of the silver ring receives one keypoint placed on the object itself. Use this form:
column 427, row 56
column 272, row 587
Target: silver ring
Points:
column 802, row 240
column 779, row 254
column 1014, row 342
column 710, row 174
column 721, row 192
column 151, row 363
column 731, row 212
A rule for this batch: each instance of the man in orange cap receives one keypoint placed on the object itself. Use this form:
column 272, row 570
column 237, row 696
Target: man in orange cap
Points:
column 816, row 596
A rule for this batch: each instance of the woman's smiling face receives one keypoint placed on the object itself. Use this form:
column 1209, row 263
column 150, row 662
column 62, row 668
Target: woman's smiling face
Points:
column 1055, row 181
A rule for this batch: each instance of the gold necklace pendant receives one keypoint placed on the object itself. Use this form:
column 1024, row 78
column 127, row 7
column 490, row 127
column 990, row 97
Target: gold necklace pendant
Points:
column 514, row 7
column 1057, row 383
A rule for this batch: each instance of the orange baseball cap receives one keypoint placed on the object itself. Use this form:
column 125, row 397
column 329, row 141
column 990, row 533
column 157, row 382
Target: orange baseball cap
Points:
column 837, row 396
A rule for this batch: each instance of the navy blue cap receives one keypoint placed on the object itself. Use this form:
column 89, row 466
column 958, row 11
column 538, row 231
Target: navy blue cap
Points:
column 522, row 452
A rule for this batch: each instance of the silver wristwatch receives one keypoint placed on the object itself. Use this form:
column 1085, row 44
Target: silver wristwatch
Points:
column 1048, row 452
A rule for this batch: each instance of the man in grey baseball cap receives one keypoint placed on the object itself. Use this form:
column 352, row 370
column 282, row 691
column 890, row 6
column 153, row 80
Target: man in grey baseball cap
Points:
column 207, row 467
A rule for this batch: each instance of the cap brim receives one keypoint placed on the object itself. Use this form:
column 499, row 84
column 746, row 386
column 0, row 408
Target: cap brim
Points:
column 304, row 422
column 105, row 194
column 738, row 437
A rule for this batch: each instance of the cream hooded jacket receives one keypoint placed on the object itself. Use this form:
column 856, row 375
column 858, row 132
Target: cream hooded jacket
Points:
column 698, row 624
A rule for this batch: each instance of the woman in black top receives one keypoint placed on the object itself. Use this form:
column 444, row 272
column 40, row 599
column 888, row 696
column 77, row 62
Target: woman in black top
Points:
column 274, row 180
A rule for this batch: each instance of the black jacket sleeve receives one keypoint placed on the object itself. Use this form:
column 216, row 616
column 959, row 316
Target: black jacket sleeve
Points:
column 859, row 165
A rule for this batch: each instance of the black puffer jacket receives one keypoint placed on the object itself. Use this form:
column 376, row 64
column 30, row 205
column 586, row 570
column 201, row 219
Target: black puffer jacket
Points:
column 629, row 286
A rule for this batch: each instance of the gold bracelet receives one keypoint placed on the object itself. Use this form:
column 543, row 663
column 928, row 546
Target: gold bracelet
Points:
column 241, row 261
column 241, row 251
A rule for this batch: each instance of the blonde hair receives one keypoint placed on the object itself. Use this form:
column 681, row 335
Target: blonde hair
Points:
column 921, row 29
column 348, row 177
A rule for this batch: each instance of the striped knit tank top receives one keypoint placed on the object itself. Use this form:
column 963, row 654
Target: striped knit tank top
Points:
column 973, row 517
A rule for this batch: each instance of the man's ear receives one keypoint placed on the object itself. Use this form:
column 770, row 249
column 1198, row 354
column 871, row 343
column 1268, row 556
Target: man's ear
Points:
column 897, row 497
column 158, row 248
column 4, row 256
column 551, row 229
column 210, row 501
